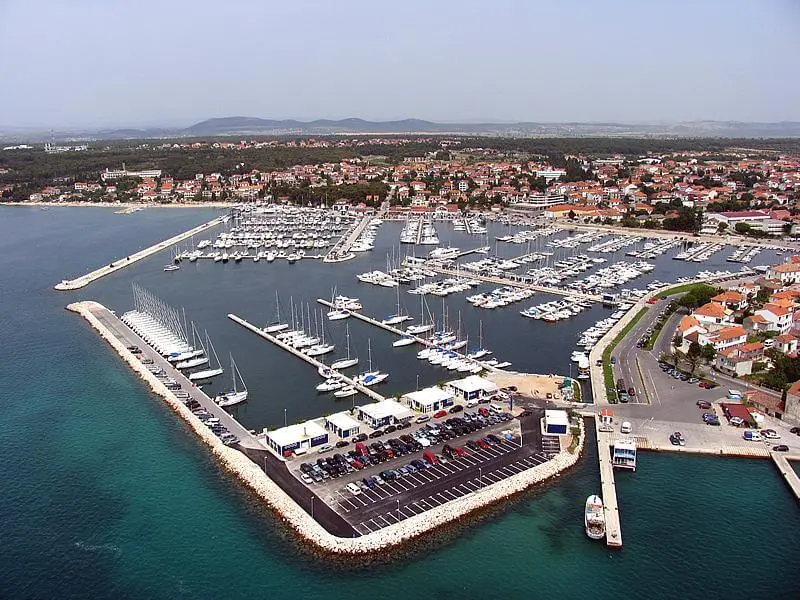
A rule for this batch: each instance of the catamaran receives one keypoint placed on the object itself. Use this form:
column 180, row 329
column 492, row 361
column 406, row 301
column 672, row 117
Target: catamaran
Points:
column 208, row 373
column 348, row 362
column 234, row 396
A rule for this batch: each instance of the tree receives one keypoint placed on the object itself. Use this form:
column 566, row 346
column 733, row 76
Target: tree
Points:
column 707, row 352
column 693, row 355
column 571, row 215
column 722, row 226
column 742, row 228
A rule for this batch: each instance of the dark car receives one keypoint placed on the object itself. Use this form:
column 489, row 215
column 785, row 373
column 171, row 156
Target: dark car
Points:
column 525, row 413
column 369, row 482
column 361, row 437
column 704, row 404
column 780, row 448
column 375, row 434
column 795, row 430
column 134, row 349
column 390, row 429
column 472, row 445
column 456, row 409
column 494, row 438
column 342, row 443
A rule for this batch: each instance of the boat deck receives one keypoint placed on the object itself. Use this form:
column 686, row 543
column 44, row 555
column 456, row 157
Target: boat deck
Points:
column 309, row 359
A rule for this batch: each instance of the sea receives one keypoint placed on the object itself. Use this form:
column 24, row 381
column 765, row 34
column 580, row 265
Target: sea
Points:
column 106, row 494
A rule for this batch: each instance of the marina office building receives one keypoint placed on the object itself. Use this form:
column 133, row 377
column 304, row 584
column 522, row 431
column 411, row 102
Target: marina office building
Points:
column 473, row 387
column 383, row 413
column 301, row 436
column 429, row 400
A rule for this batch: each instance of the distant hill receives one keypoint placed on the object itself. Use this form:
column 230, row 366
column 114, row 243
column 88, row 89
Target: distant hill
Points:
column 244, row 126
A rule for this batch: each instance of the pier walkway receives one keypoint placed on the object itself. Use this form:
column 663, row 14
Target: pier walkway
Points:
column 400, row 333
column 129, row 338
column 513, row 283
column 309, row 359
column 788, row 473
column 609, row 488
column 341, row 250
column 84, row 280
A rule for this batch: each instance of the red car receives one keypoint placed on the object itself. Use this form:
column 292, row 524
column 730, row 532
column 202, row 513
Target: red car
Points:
column 357, row 465
column 459, row 451
column 439, row 414
column 482, row 444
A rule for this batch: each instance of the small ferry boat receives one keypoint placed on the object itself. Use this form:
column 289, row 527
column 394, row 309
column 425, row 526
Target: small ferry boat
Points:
column 594, row 518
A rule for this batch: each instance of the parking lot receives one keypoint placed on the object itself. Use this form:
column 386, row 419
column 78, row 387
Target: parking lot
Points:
column 408, row 485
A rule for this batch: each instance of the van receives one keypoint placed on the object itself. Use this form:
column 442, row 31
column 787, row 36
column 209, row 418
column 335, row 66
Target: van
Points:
column 430, row 457
column 496, row 409
column 423, row 418
column 300, row 451
column 752, row 436
column 626, row 427
column 362, row 449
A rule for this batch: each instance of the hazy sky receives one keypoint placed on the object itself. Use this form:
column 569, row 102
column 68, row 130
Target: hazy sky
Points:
column 168, row 62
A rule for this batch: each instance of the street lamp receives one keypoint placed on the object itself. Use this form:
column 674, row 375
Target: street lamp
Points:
column 312, row 507
column 284, row 417
column 480, row 477
column 398, row 511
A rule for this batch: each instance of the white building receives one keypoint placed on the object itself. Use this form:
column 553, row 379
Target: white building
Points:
column 306, row 436
column 473, row 387
column 343, row 425
column 383, row 413
column 123, row 172
column 551, row 174
column 556, row 422
column 429, row 400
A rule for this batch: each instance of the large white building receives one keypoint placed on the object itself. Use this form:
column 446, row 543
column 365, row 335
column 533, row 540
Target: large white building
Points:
column 429, row 400
column 108, row 174
column 305, row 436
column 383, row 413
column 473, row 387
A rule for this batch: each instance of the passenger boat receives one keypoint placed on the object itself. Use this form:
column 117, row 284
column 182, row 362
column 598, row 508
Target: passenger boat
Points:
column 594, row 518
column 172, row 267
column 235, row 395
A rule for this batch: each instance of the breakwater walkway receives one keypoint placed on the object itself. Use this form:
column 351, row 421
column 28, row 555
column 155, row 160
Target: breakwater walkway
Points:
column 399, row 332
column 84, row 280
column 509, row 281
column 609, row 488
column 309, row 359
column 788, row 473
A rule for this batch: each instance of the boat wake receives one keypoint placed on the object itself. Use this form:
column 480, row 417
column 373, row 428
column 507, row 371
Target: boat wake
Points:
column 99, row 548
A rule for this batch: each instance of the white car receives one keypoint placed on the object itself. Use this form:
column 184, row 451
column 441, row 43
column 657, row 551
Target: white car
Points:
column 423, row 441
column 324, row 448
column 306, row 478
column 353, row 489
column 770, row 434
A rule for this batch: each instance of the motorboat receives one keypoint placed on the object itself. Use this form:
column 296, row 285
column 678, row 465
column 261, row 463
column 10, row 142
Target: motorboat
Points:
column 345, row 392
column 594, row 518
column 338, row 314
column 403, row 341
column 172, row 267
column 331, row 385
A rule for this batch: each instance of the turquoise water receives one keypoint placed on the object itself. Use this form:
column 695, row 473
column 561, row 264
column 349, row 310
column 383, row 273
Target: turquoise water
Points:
column 105, row 494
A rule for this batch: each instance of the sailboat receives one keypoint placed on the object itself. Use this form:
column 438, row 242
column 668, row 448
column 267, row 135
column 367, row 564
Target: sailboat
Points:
column 423, row 327
column 348, row 362
column 235, row 396
column 322, row 347
column 406, row 340
column 194, row 358
column 276, row 325
column 337, row 312
column 371, row 377
column 480, row 351
column 398, row 317
column 208, row 373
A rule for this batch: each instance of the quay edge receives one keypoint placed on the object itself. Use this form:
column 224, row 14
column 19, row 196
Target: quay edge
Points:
column 294, row 515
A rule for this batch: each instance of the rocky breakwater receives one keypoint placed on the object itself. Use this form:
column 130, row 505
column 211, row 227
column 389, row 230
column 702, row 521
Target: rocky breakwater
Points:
column 293, row 514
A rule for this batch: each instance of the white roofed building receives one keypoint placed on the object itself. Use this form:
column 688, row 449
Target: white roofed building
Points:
column 306, row 435
column 343, row 425
column 429, row 400
column 383, row 413
column 472, row 387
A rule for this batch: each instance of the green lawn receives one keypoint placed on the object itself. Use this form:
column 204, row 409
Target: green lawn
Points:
column 681, row 289
column 651, row 341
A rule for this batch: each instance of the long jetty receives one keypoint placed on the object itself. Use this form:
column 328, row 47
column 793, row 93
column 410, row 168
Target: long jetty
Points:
column 513, row 283
column 399, row 332
column 609, row 489
column 84, row 280
column 788, row 473
column 341, row 250
column 309, row 359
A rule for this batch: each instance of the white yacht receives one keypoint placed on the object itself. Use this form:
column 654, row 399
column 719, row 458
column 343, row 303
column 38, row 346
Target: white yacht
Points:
column 345, row 392
column 345, row 363
column 594, row 518
column 235, row 395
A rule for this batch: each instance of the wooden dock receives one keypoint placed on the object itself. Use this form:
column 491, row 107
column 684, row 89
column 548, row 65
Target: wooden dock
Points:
column 400, row 333
column 84, row 280
column 513, row 283
column 788, row 473
column 609, row 488
column 309, row 359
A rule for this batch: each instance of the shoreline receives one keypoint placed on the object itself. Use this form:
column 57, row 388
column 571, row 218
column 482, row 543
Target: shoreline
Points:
column 119, row 205
column 293, row 515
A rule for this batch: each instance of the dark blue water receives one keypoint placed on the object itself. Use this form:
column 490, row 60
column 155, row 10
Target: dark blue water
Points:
column 105, row 494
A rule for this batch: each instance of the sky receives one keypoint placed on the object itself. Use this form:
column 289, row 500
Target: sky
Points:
column 117, row 63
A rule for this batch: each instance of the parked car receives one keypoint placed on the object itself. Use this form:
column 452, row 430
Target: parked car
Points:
column 456, row 409
column 353, row 488
column 770, row 434
column 752, row 436
column 780, row 448
column 342, row 443
column 439, row 414
column 704, row 404
column 324, row 448
column 737, row 421
column 423, row 418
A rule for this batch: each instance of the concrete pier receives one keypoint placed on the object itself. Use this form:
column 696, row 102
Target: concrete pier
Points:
column 513, row 283
column 401, row 333
column 609, row 488
column 84, row 280
column 309, row 359
column 788, row 473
